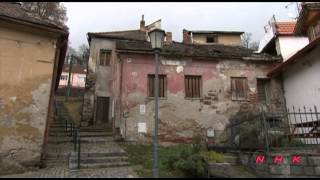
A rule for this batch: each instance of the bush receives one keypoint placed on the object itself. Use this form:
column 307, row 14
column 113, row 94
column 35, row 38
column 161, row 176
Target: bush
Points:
column 194, row 166
column 212, row 156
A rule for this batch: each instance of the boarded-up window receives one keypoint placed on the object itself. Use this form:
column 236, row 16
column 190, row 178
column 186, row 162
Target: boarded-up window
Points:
column 162, row 85
column 105, row 57
column 239, row 88
column 262, row 88
column 192, row 86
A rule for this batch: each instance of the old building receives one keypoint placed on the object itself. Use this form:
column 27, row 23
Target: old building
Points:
column 300, row 73
column 77, row 76
column 279, row 39
column 212, row 37
column 202, row 85
column 31, row 59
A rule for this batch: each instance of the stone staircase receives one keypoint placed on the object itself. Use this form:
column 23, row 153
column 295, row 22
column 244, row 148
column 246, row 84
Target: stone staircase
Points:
column 98, row 148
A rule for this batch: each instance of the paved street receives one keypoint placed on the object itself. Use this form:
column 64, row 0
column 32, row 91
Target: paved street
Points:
column 56, row 172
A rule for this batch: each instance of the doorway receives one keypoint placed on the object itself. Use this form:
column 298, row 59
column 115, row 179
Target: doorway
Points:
column 102, row 110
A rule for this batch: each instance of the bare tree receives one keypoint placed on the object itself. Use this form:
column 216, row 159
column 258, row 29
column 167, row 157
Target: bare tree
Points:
column 254, row 45
column 83, row 50
column 245, row 39
column 51, row 11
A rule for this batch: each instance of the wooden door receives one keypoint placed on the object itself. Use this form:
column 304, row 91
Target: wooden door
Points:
column 102, row 110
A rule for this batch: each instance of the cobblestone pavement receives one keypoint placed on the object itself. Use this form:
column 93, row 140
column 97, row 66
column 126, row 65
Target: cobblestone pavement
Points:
column 57, row 172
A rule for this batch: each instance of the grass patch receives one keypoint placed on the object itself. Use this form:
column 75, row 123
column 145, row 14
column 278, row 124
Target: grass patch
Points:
column 140, row 156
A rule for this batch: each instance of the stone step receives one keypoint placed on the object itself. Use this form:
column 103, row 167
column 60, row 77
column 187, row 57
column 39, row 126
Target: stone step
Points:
column 57, row 156
column 233, row 160
column 97, row 160
column 103, row 165
column 98, row 140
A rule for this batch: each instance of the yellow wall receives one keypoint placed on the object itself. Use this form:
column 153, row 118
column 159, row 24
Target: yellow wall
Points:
column 26, row 68
column 222, row 39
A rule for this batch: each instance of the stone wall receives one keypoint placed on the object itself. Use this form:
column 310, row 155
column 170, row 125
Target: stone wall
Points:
column 309, row 166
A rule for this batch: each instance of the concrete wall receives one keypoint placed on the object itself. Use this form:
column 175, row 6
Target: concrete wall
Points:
column 222, row 39
column 301, row 81
column 26, row 69
column 181, row 118
column 288, row 46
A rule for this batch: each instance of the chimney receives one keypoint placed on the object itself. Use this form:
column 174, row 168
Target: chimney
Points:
column 142, row 24
column 186, row 37
column 168, row 36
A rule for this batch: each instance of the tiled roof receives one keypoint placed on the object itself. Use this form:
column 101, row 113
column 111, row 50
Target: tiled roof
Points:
column 285, row 28
column 181, row 49
column 15, row 11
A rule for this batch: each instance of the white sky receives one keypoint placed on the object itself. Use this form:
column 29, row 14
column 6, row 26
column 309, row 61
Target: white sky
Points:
column 230, row 16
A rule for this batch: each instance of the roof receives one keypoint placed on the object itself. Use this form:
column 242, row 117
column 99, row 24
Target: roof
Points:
column 194, row 50
column 76, row 68
column 285, row 28
column 215, row 32
column 275, row 71
column 130, row 34
column 306, row 7
column 14, row 12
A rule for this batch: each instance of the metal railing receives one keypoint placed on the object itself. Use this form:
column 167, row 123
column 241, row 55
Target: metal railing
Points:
column 71, row 129
column 265, row 130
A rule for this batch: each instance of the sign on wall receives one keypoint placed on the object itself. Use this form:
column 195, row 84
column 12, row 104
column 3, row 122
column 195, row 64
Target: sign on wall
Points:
column 142, row 127
column 142, row 108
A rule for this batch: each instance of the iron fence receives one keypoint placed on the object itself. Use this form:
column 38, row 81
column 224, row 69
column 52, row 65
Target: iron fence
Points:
column 266, row 130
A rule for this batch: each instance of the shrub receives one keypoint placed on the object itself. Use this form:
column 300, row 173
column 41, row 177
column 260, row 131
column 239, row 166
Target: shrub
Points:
column 212, row 156
column 194, row 166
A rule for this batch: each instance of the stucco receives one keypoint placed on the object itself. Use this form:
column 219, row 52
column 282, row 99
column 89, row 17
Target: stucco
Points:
column 301, row 81
column 26, row 69
column 288, row 45
column 222, row 39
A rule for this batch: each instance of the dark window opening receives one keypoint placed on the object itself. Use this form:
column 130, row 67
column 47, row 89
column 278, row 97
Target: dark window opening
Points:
column 262, row 90
column 192, row 86
column 105, row 57
column 239, row 88
column 211, row 39
column 162, row 85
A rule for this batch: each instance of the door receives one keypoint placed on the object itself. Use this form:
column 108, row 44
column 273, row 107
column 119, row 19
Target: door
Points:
column 102, row 110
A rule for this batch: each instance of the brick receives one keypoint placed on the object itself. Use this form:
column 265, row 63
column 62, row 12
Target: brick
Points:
column 317, row 170
column 309, row 170
column 297, row 170
column 314, row 160
column 279, row 169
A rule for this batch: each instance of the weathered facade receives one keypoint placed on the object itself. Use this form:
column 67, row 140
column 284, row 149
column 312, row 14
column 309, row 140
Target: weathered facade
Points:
column 202, row 87
column 31, row 52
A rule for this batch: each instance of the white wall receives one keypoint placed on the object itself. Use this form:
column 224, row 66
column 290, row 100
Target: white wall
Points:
column 302, row 81
column 289, row 45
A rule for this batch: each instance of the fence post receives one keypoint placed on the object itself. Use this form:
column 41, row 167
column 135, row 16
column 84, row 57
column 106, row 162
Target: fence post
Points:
column 265, row 130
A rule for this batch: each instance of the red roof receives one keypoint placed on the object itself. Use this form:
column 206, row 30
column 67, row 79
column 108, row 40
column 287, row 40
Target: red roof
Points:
column 285, row 28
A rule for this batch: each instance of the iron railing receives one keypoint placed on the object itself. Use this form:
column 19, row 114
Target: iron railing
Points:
column 265, row 130
column 71, row 129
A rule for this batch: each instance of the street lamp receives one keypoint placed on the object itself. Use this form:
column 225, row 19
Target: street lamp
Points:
column 156, row 39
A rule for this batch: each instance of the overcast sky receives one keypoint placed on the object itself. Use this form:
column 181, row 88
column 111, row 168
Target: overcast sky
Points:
column 100, row 16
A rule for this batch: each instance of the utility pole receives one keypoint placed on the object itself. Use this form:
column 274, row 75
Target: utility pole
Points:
column 69, row 77
column 156, row 96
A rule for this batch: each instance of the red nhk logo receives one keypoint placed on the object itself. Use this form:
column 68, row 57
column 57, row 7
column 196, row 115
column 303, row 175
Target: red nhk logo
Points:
column 278, row 159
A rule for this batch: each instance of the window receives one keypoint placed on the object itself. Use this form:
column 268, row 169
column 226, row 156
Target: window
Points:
column 64, row 77
column 192, row 86
column 262, row 88
column 211, row 39
column 239, row 88
column 105, row 56
column 162, row 85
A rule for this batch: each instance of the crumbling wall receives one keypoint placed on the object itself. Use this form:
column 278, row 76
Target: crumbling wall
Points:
column 181, row 118
column 26, row 68
column 99, row 80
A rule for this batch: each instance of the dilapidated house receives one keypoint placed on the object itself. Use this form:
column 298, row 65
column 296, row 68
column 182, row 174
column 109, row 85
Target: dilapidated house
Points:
column 202, row 85
column 31, row 58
